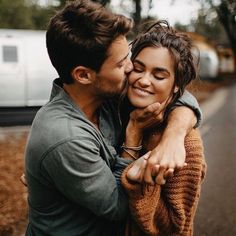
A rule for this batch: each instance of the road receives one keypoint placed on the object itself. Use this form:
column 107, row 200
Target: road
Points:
column 216, row 214
column 17, row 116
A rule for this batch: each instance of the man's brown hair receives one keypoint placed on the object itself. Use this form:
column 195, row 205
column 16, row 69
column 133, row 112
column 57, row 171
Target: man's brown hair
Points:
column 80, row 35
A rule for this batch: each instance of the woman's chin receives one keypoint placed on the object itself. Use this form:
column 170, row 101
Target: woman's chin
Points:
column 138, row 104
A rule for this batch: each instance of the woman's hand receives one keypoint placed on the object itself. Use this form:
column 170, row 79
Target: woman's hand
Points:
column 136, row 172
column 143, row 118
column 140, row 119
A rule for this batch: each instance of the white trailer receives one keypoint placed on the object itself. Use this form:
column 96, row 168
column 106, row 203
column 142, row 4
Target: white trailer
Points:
column 26, row 73
column 208, row 60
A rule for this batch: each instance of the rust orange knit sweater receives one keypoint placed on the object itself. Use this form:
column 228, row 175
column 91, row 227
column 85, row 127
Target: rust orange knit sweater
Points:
column 168, row 209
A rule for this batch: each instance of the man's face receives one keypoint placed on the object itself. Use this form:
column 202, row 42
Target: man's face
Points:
column 111, row 78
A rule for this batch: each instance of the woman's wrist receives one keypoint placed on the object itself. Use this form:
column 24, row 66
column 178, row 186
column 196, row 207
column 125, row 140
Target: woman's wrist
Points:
column 134, row 136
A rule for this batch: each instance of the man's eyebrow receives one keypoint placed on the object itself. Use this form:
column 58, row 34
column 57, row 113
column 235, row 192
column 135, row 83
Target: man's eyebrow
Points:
column 156, row 69
column 122, row 59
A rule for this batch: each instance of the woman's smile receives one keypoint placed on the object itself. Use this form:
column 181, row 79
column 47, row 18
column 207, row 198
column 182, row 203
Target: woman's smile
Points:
column 141, row 92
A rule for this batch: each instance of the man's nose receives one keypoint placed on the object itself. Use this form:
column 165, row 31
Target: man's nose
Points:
column 128, row 66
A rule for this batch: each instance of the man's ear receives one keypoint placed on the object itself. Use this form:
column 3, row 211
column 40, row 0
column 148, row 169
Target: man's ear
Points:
column 82, row 75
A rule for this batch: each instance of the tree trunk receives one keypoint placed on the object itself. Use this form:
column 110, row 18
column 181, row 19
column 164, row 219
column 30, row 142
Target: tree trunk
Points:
column 137, row 14
column 227, row 19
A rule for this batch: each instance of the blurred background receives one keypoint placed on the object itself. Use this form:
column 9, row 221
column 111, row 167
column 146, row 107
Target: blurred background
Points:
column 26, row 75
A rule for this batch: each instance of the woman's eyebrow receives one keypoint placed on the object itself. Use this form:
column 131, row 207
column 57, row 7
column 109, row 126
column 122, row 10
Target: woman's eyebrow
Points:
column 156, row 69
column 139, row 62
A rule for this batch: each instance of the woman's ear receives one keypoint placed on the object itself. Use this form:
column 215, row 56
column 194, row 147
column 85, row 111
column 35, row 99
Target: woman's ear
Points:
column 176, row 89
column 82, row 75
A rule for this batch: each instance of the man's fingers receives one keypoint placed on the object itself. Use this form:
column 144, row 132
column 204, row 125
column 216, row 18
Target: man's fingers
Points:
column 160, row 176
column 147, row 177
column 156, row 169
column 180, row 165
column 169, row 173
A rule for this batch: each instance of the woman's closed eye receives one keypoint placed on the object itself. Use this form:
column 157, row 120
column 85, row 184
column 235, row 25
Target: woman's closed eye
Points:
column 137, row 69
column 159, row 77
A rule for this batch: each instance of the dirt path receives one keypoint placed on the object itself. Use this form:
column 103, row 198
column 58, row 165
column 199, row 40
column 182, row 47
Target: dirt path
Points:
column 13, row 195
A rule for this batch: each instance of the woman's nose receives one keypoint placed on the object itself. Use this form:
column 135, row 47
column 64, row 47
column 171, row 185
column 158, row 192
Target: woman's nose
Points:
column 144, row 80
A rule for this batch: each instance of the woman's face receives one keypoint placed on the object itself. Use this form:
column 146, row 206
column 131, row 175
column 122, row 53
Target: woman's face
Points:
column 152, row 78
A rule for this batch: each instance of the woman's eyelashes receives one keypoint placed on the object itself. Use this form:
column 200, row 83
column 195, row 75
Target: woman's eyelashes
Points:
column 158, row 77
column 141, row 70
column 137, row 69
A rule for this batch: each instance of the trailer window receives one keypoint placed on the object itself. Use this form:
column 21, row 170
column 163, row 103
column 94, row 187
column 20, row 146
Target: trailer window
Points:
column 10, row 54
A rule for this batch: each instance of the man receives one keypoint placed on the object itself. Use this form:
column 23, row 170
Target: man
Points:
column 72, row 169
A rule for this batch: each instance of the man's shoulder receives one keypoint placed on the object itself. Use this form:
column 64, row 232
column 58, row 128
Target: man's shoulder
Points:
column 54, row 125
column 61, row 124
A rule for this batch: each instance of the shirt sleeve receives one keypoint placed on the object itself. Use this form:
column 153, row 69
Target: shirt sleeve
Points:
column 83, row 176
column 187, row 99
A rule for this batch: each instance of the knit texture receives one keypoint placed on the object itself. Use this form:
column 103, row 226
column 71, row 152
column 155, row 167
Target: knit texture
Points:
column 168, row 209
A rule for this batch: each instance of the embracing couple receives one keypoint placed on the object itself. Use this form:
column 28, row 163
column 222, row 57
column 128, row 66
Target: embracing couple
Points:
column 116, row 150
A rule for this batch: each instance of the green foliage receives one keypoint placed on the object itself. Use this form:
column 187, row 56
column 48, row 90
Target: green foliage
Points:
column 181, row 27
column 41, row 16
column 208, row 25
column 19, row 14
column 15, row 14
column 226, row 12
column 225, row 15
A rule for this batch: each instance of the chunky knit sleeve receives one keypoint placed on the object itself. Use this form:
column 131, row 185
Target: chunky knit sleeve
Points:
column 170, row 209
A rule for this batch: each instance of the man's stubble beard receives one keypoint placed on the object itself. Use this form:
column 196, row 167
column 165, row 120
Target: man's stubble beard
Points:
column 104, row 94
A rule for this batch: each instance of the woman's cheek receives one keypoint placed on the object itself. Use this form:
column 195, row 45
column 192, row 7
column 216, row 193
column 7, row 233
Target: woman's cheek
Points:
column 133, row 76
column 130, row 78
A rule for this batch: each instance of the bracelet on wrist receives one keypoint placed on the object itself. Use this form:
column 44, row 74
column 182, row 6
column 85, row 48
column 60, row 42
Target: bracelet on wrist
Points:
column 130, row 154
column 132, row 148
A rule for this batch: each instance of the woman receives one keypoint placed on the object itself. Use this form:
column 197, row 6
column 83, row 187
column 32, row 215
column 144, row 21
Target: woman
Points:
column 163, row 66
